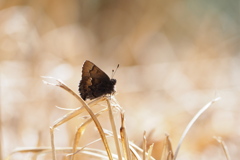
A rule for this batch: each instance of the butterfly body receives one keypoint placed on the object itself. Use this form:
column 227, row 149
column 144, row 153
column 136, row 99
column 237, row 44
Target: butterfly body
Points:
column 95, row 82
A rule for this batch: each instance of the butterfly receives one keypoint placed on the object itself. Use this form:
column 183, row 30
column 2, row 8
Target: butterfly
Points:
column 94, row 82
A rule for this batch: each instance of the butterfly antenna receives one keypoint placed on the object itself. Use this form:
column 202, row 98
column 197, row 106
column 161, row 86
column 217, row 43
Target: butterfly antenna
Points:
column 114, row 71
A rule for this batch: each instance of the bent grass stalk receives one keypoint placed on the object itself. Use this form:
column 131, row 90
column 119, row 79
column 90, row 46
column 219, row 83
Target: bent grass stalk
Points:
column 90, row 112
column 190, row 124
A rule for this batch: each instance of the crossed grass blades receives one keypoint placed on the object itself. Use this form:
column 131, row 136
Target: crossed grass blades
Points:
column 126, row 150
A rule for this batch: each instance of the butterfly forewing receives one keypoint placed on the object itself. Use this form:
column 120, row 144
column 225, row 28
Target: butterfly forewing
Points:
column 95, row 82
column 91, row 70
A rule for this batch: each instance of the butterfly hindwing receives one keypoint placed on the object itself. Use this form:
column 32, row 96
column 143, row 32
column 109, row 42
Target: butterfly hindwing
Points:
column 95, row 82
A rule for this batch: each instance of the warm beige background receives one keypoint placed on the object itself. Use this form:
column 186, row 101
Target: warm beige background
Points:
column 174, row 57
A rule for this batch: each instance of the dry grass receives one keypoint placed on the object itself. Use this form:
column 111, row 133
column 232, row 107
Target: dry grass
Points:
column 127, row 150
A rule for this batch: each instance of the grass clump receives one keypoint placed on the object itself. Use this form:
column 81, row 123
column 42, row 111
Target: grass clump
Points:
column 124, row 149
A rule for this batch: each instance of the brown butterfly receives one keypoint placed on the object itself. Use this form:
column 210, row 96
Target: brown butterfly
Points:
column 95, row 82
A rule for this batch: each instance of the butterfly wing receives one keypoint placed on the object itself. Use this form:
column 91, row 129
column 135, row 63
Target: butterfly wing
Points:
column 95, row 82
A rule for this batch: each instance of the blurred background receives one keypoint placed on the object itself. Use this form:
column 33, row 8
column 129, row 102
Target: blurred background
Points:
column 174, row 56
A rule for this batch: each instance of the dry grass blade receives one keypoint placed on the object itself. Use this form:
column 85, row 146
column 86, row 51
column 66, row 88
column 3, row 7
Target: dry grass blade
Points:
column 114, row 130
column 90, row 112
column 97, row 153
column 134, row 148
column 150, row 151
column 37, row 150
column 144, row 145
column 192, row 122
column 80, row 132
column 31, row 149
column 167, row 152
column 82, row 148
column 66, row 118
column 1, row 156
column 124, row 138
column 135, row 155
column 170, row 155
column 73, row 113
column 224, row 147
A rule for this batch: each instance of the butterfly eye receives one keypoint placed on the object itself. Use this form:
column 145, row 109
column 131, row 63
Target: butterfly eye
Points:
column 113, row 81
